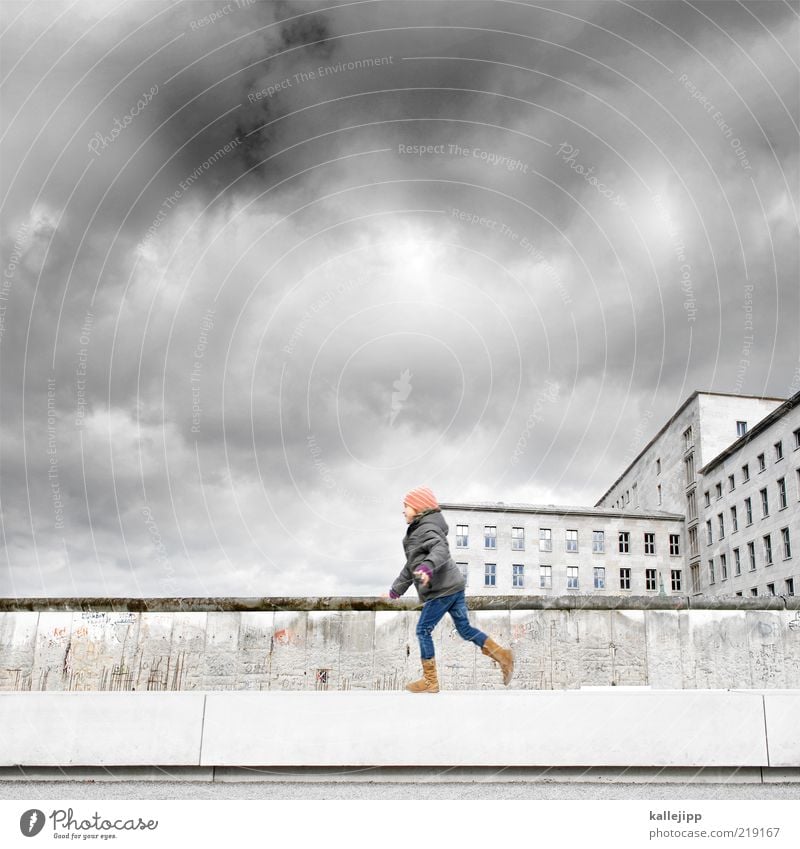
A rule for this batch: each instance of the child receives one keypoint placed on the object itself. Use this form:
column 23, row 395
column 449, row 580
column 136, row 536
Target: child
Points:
column 440, row 587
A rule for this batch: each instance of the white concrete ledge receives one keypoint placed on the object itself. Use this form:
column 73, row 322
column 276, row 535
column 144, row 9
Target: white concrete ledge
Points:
column 647, row 729
column 121, row 729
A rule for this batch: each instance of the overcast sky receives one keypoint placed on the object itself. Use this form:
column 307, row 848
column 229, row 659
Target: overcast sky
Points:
column 267, row 266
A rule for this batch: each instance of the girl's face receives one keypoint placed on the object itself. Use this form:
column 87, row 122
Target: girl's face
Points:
column 409, row 513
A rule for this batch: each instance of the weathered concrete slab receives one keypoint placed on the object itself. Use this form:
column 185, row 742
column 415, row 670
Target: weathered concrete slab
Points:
column 555, row 648
column 782, row 710
column 122, row 729
column 17, row 650
column 511, row 728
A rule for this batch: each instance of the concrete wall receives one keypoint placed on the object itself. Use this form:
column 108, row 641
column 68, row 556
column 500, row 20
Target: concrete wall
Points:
column 611, row 728
column 559, row 644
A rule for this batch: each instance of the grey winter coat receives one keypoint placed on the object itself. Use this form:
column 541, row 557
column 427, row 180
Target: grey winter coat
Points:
column 426, row 542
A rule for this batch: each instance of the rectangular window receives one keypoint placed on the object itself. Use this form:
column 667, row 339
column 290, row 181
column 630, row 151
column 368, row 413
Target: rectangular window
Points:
column 462, row 536
column 709, row 533
column 731, row 483
column 649, row 543
column 691, row 505
column 721, row 521
column 737, row 562
column 767, row 549
column 751, row 555
column 770, row 589
column 790, row 586
column 546, row 577
column 518, row 576
column 764, row 503
column 658, row 493
column 754, row 591
column 711, row 571
column 723, row 567
column 572, row 541
column 545, row 539
column 675, row 576
column 464, row 569
column 518, row 539
column 649, row 579
column 748, row 510
column 688, row 439
column 762, row 463
column 572, row 577
column 741, row 428
column 490, row 536
column 746, row 472
column 734, row 521
column 707, row 498
column 624, row 578
column 694, row 570
column 718, row 490
column 598, row 542
column 490, row 575
column 694, row 549
column 779, row 450
column 599, row 578
column 624, row 542
column 689, row 464
column 658, row 467
column 674, row 545
column 797, row 438
column 781, row 493
column 787, row 543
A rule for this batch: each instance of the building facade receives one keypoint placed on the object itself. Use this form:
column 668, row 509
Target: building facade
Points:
column 535, row 550
column 749, row 505
column 668, row 473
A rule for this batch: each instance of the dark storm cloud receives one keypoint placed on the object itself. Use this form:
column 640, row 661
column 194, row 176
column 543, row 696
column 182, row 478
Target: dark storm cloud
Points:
column 266, row 313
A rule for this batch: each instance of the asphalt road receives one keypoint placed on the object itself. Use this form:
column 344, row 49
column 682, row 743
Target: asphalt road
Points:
column 260, row 790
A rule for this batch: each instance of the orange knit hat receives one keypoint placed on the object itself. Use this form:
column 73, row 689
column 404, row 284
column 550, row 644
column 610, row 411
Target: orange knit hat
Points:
column 420, row 499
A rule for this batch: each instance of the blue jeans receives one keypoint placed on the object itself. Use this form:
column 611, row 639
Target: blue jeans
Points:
column 434, row 610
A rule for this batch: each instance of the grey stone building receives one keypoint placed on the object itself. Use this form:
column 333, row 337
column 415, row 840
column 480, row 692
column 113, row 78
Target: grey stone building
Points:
column 553, row 550
column 750, row 510
column 714, row 461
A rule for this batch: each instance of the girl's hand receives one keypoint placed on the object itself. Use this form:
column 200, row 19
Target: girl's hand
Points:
column 423, row 577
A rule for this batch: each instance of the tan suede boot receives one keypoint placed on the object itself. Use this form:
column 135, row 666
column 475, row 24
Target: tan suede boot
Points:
column 503, row 656
column 429, row 683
